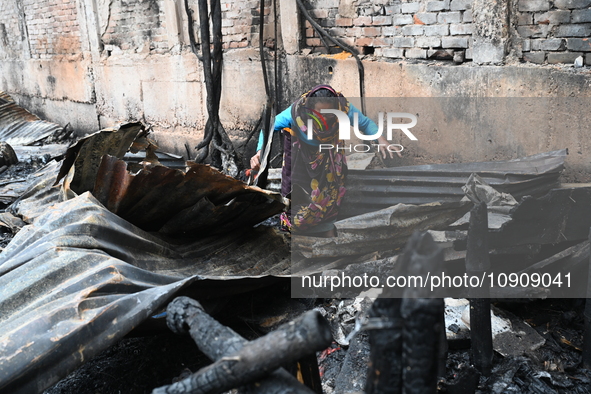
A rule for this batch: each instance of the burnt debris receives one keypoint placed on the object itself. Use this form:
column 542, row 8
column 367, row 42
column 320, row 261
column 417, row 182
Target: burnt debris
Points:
column 239, row 362
column 109, row 235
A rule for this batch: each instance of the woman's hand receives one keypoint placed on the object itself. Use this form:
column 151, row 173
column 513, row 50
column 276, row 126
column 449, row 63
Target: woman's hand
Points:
column 255, row 161
column 383, row 148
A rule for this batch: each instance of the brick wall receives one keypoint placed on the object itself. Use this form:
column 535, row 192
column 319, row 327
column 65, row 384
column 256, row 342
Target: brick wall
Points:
column 52, row 27
column 42, row 28
column 419, row 29
column 141, row 25
column 12, row 34
column 555, row 31
column 240, row 23
column 550, row 31
column 136, row 26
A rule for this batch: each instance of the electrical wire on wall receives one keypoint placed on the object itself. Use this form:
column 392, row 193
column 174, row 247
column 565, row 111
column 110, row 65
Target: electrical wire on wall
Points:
column 323, row 34
column 269, row 110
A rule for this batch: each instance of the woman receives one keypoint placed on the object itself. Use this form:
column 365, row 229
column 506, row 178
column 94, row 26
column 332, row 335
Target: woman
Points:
column 314, row 179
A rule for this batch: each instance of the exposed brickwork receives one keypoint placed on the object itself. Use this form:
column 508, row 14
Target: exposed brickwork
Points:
column 405, row 29
column 136, row 26
column 241, row 21
column 52, row 27
column 387, row 28
column 554, row 31
column 395, row 29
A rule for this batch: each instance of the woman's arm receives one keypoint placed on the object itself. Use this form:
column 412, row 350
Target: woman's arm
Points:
column 369, row 127
column 282, row 120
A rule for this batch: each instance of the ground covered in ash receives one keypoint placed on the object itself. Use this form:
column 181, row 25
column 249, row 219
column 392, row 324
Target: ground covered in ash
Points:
column 17, row 173
column 556, row 367
column 139, row 364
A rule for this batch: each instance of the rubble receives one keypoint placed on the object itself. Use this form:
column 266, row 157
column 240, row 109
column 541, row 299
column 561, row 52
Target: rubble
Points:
column 106, row 238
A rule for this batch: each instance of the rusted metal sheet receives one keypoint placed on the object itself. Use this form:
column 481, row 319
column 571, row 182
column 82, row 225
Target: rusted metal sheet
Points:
column 80, row 277
column 5, row 97
column 371, row 190
column 86, row 155
column 194, row 200
column 20, row 127
column 201, row 200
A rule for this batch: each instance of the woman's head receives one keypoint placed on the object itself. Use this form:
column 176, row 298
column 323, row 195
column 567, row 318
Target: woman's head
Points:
column 323, row 97
column 309, row 108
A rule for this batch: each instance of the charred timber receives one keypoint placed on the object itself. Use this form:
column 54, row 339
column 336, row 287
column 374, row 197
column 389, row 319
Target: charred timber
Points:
column 240, row 362
column 408, row 350
column 587, row 320
column 385, row 358
column 424, row 345
column 478, row 262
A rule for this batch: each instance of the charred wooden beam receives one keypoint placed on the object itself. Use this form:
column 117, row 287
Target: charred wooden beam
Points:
column 408, row 350
column 421, row 349
column 385, row 341
column 424, row 346
column 239, row 361
column 587, row 321
column 477, row 263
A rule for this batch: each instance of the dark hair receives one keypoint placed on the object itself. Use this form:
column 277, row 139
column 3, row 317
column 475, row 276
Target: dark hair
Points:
column 323, row 96
column 323, row 93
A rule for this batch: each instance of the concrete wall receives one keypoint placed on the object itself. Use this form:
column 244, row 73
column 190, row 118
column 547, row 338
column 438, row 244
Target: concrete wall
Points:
column 523, row 109
column 94, row 63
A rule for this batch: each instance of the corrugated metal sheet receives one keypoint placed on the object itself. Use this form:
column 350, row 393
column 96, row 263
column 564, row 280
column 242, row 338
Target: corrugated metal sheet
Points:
column 166, row 159
column 85, row 156
column 201, row 200
column 384, row 230
column 12, row 189
column 5, row 97
column 194, row 199
column 371, row 190
column 80, row 278
column 20, row 127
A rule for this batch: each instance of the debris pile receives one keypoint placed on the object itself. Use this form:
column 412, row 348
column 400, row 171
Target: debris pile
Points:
column 107, row 237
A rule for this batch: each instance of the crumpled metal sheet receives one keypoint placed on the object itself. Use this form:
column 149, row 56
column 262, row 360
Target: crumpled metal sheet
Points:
column 12, row 189
column 201, row 200
column 85, row 156
column 20, row 127
column 26, row 153
column 34, row 194
column 80, row 277
column 372, row 190
column 563, row 214
column 194, row 200
column 383, row 230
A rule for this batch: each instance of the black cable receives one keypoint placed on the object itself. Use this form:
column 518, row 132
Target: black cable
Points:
column 261, row 179
column 341, row 45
